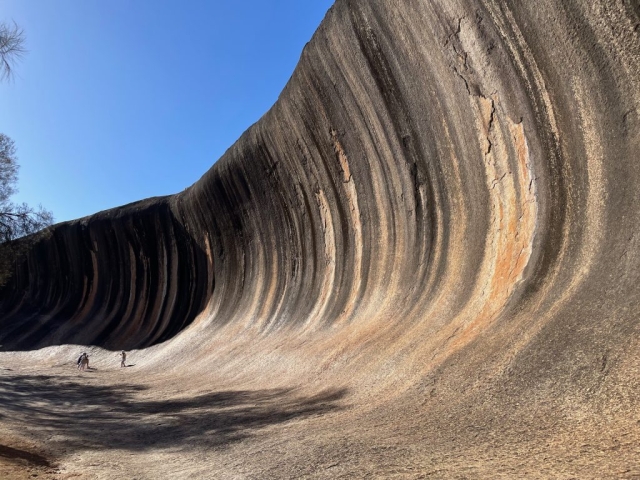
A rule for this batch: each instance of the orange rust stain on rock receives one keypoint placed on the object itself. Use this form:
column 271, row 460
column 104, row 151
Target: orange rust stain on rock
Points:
column 513, row 220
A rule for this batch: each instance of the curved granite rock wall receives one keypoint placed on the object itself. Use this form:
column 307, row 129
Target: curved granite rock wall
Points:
column 130, row 276
column 434, row 173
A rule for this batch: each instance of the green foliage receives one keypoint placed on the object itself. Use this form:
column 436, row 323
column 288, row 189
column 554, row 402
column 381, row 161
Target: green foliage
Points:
column 17, row 220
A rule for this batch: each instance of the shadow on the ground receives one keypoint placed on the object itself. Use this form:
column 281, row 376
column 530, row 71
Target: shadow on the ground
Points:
column 81, row 415
column 19, row 456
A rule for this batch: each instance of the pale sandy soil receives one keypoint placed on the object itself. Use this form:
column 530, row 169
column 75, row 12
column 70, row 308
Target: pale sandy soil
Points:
column 144, row 423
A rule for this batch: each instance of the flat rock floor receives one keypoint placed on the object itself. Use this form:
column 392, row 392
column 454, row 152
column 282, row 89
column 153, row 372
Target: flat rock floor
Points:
column 110, row 422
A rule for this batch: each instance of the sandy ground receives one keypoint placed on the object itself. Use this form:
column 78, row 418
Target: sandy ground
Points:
column 144, row 423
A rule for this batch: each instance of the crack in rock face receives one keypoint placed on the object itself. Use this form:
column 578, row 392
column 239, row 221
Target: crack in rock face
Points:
column 444, row 196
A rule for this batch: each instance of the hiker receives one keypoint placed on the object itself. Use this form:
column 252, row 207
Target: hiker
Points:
column 84, row 361
column 124, row 357
column 80, row 359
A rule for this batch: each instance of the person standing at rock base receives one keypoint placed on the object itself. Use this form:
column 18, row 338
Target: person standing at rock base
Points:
column 83, row 362
column 124, row 358
column 79, row 362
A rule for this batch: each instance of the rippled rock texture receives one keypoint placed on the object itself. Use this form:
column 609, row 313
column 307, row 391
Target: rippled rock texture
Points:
column 442, row 186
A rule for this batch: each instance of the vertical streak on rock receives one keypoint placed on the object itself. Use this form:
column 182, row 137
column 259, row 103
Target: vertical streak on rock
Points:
column 513, row 212
column 355, row 242
column 596, row 197
column 327, row 269
column 559, row 202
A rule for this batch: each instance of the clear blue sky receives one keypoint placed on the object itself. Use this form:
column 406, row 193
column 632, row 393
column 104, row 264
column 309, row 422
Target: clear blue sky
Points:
column 121, row 100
